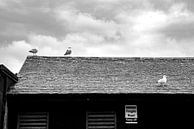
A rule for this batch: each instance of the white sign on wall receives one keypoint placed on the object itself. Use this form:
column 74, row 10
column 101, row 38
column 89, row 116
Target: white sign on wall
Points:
column 131, row 114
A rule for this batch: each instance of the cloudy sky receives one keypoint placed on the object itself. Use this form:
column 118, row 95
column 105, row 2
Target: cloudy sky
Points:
column 119, row 28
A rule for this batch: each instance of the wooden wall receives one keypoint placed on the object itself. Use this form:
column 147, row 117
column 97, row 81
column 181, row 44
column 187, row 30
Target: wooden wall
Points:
column 5, row 83
column 69, row 111
column 2, row 84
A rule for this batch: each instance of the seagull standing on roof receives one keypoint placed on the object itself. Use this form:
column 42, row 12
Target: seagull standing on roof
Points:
column 68, row 52
column 34, row 51
column 163, row 80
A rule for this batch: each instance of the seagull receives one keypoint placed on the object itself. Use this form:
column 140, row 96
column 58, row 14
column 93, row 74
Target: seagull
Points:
column 34, row 51
column 68, row 52
column 163, row 80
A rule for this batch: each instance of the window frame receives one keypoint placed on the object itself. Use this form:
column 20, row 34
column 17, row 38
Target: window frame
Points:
column 96, row 111
column 32, row 112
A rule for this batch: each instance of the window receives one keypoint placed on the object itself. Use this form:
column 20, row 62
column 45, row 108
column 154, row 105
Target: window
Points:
column 33, row 120
column 100, row 120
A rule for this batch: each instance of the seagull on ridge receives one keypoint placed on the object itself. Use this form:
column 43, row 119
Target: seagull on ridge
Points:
column 34, row 51
column 68, row 52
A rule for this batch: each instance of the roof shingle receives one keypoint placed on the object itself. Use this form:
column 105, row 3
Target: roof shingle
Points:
column 66, row 75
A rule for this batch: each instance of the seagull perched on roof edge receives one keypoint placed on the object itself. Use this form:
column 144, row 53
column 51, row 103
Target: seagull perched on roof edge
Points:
column 68, row 52
column 34, row 51
column 163, row 80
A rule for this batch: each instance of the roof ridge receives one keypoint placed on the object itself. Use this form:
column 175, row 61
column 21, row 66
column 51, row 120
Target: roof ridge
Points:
column 124, row 57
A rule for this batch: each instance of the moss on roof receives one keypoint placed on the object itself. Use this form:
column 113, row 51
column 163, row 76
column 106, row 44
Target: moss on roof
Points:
column 109, row 75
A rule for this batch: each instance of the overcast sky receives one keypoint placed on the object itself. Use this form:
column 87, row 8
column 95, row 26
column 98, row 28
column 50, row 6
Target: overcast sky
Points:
column 129, row 28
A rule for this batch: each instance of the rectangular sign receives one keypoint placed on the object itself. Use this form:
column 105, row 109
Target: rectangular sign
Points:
column 131, row 114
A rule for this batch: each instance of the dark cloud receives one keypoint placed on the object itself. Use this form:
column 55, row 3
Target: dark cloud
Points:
column 161, row 4
column 179, row 31
column 18, row 20
column 165, row 5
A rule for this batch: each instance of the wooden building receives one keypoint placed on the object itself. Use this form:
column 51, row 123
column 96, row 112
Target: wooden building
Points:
column 102, row 93
column 7, row 79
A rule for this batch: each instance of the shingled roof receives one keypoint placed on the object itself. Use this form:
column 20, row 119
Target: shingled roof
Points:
column 109, row 75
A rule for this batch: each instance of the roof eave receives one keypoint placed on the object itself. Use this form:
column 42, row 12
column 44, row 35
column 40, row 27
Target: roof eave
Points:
column 8, row 73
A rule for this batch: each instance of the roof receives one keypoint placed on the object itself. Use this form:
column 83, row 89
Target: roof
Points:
column 109, row 75
column 7, row 72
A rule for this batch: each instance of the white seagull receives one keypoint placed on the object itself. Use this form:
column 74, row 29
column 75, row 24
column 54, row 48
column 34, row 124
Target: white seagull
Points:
column 34, row 51
column 68, row 52
column 163, row 80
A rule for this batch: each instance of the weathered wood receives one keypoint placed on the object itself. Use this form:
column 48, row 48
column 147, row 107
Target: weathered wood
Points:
column 33, row 124
column 101, row 120
column 33, row 120
column 101, row 123
column 33, row 128
column 32, row 116
column 101, row 115
column 101, row 127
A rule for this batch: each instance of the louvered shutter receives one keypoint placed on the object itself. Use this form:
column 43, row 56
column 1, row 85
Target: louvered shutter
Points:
column 101, row 120
column 33, row 120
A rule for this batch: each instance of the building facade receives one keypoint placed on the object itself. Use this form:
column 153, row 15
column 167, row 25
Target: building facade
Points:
column 7, row 79
column 102, row 93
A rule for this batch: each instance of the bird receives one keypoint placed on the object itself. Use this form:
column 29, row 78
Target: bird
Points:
column 34, row 51
column 163, row 80
column 68, row 52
